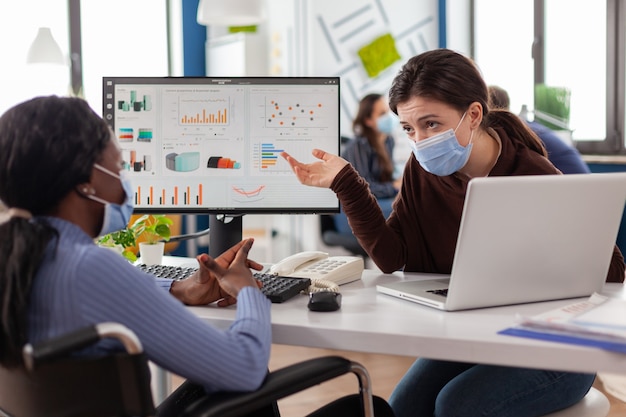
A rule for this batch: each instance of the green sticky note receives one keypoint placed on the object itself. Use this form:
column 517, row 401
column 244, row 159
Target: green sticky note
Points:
column 379, row 55
column 237, row 29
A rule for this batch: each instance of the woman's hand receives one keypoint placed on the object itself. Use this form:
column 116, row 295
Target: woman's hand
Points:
column 317, row 174
column 206, row 286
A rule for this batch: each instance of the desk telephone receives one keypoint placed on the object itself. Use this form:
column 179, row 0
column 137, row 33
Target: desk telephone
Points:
column 326, row 272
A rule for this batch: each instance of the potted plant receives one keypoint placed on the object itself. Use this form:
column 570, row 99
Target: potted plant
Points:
column 151, row 231
column 552, row 109
column 122, row 241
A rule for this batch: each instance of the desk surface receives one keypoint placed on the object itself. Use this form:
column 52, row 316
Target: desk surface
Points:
column 372, row 322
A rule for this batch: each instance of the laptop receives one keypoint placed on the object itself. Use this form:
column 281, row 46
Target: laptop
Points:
column 526, row 239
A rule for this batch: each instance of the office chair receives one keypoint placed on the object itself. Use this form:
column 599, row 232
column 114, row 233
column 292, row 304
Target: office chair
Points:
column 332, row 237
column 52, row 383
column 594, row 404
column 330, row 234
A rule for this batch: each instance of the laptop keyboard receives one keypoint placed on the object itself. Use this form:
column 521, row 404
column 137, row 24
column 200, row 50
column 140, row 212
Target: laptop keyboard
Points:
column 442, row 292
column 277, row 288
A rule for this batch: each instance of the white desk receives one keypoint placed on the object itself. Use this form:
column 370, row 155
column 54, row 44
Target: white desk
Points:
column 377, row 323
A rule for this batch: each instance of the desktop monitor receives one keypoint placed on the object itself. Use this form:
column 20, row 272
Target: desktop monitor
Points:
column 211, row 145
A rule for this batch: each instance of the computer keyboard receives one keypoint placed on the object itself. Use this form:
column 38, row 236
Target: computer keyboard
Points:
column 443, row 292
column 275, row 287
column 167, row 271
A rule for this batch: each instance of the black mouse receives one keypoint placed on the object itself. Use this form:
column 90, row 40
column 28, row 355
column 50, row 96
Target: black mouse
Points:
column 324, row 301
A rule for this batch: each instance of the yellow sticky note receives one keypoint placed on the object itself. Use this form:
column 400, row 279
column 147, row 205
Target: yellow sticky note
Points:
column 379, row 55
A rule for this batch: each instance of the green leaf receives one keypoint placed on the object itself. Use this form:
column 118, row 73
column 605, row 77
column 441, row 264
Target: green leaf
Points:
column 130, row 256
column 152, row 227
column 125, row 238
column 163, row 230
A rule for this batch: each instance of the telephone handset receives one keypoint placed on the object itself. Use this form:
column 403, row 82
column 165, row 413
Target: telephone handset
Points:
column 326, row 272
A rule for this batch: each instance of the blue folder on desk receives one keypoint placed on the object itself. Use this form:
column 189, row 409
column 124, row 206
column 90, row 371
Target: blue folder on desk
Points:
column 615, row 346
column 596, row 322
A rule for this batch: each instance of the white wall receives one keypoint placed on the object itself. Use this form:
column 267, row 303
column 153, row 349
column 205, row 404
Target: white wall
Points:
column 322, row 37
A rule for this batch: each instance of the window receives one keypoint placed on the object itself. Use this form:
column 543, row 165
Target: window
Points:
column 503, row 47
column 122, row 38
column 19, row 23
column 119, row 37
column 575, row 45
column 560, row 43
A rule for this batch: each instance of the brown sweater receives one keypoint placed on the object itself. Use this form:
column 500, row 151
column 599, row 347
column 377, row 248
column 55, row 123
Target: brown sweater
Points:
column 421, row 233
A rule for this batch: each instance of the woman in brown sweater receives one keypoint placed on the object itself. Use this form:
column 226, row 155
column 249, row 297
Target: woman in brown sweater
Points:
column 441, row 100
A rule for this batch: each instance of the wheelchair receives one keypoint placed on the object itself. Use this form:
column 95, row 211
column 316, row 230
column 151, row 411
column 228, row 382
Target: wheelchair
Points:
column 54, row 383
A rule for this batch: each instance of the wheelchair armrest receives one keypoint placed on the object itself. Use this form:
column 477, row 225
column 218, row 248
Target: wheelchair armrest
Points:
column 279, row 384
column 60, row 346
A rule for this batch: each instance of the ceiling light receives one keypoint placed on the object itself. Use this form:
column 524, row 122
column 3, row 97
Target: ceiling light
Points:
column 230, row 12
column 44, row 49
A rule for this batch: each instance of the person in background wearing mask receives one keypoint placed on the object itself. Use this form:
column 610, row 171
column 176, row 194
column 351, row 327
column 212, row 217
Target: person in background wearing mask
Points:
column 371, row 153
column 62, row 181
column 441, row 100
column 565, row 157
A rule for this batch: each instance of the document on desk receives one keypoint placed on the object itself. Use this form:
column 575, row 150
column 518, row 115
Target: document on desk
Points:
column 599, row 321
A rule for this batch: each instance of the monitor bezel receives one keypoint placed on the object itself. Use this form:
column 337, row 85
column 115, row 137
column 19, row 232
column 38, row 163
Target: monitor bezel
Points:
column 108, row 109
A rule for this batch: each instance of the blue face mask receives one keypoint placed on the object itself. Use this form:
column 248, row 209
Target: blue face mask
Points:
column 442, row 154
column 116, row 216
column 387, row 123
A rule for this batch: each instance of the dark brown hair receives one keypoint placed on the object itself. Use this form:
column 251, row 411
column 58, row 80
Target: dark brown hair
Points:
column 498, row 98
column 48, row 145
column 451, row 78
column 360, row 128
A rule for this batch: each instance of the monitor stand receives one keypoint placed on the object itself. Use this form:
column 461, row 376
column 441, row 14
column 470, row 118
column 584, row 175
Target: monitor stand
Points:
column 225, row 231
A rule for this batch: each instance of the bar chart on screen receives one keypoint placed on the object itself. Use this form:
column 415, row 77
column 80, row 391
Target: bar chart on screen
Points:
column 176, row 196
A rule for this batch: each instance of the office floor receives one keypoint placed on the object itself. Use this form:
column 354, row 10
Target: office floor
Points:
column 385, row 371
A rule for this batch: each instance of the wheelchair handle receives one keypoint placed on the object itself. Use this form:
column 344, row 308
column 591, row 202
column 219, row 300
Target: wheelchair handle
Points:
column 62, row 345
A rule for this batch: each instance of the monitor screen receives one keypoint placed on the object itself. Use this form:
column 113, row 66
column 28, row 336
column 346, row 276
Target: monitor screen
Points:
column 212, row 144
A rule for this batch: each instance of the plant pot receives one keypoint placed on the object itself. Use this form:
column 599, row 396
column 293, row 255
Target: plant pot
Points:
column 151, row 254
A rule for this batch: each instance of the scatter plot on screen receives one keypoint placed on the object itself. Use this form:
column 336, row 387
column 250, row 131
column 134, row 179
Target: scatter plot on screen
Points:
column 296, row 112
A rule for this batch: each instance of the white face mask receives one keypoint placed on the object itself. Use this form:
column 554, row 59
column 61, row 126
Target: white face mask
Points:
column 387, row 123
column 116, row 216
column 442, row 154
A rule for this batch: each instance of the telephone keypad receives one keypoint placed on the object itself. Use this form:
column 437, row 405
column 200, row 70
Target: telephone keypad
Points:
column 324, row 266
